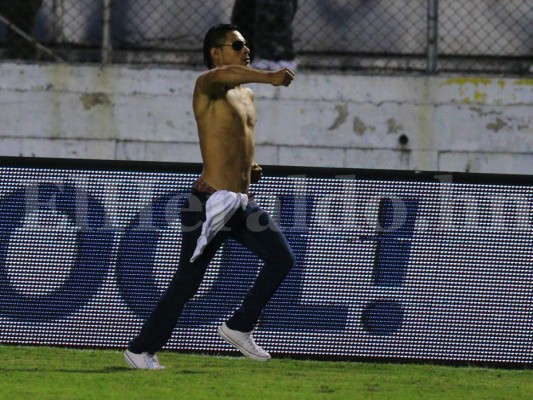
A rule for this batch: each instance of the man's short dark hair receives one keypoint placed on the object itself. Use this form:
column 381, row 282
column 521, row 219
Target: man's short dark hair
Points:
column 215, row 36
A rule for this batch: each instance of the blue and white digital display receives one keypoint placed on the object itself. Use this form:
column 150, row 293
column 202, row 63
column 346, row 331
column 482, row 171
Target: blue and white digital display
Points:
column 399, row 269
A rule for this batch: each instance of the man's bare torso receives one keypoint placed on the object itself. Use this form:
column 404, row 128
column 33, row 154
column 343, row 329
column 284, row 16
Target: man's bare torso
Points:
column 226, row 122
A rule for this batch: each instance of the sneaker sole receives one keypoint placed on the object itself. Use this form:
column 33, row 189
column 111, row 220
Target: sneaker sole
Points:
column 245, row 352
column 132, row 364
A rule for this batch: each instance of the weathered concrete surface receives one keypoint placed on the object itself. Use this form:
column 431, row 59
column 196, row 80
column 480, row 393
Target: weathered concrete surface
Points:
column 454, row 123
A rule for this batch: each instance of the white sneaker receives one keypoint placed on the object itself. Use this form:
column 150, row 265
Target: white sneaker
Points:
column 142, row 361
column 243, row 341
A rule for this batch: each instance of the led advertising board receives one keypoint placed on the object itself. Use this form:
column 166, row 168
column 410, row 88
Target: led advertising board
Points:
column 390, row 265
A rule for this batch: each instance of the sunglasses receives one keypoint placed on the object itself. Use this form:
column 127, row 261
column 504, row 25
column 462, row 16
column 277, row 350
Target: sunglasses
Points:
column 237, row 45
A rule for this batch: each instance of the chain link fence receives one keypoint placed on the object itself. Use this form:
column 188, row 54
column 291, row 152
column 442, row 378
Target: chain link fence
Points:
column 403, row 35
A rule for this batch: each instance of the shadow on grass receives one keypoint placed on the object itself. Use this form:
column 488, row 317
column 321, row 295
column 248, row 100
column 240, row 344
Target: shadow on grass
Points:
column 106, row 370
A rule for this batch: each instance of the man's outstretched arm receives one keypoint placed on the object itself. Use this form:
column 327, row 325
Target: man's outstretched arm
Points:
column 234, row 75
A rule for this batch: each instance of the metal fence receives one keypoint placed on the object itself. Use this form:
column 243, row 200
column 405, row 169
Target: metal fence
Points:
column 419, row 35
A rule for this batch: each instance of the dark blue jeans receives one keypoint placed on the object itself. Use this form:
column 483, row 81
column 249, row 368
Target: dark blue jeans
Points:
column 253, row 228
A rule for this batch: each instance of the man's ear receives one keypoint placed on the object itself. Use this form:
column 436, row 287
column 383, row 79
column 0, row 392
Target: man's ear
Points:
column 215, row 55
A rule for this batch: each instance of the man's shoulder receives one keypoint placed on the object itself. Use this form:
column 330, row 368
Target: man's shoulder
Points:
column 208, row 73
column 200, row 78
column 205, row 84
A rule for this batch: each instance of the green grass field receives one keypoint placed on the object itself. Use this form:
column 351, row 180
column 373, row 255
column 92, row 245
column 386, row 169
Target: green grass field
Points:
column 55, row 373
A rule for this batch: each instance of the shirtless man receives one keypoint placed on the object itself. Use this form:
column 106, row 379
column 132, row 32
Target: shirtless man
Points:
column 225, row 116
column 225, row 112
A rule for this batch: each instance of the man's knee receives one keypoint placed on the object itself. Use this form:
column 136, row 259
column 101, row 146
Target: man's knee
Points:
column 284, row 261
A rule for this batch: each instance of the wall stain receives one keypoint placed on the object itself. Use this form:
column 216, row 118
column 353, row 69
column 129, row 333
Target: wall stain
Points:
column 482, row 113
column 471, row 81
column 524, row 82
column 478, row 96
column 342, row 109
column 498, row 125
column 468, row 165
column 90, row 100
column 393, row 126
column 359, row 126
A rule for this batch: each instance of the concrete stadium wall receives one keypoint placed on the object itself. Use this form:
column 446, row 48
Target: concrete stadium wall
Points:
column 446, row 123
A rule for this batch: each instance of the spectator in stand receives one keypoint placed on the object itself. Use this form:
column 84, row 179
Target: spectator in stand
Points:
column 22, row 14
column 267, row 24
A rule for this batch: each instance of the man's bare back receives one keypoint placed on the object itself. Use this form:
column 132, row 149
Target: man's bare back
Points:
column 225, row 115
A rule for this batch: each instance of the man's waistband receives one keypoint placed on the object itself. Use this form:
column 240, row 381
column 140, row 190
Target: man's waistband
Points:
column 202, row 187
